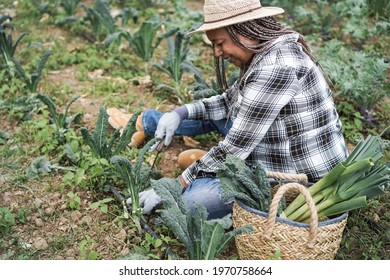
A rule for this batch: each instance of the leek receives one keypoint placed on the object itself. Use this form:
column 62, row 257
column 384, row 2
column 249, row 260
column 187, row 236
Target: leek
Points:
column 349, row 185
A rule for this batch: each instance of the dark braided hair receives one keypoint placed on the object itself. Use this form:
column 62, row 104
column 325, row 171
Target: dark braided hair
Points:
column 264, row 30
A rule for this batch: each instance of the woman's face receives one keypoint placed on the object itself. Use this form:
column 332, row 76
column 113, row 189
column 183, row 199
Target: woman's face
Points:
column 225, row 47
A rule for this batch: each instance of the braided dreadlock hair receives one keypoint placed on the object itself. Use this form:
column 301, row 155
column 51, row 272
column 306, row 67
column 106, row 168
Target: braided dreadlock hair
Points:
column 264, row 30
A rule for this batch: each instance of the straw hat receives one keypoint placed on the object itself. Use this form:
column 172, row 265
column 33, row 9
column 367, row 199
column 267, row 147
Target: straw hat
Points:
column 221, row 13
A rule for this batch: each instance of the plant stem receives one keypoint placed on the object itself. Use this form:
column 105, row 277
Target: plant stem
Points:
column 296, row 215
column 325, row 182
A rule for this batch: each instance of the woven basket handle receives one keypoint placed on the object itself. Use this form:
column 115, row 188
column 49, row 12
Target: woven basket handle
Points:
column 287, row 176
column 271, row 221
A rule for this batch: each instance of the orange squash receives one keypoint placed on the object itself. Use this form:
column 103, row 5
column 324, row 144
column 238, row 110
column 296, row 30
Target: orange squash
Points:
column 188, row 157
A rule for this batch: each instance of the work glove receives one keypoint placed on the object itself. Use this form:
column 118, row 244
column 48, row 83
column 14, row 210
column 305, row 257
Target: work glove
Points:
column 167, row 126
column 147, row 200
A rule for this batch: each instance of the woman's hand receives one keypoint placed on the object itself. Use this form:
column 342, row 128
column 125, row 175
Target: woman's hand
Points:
column 167, row 126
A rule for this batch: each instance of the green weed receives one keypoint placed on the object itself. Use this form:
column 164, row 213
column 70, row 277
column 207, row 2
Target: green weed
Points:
column 69, row 6
column 101, row 204
column 73, row 201
column 7, row 220
column 87, row 249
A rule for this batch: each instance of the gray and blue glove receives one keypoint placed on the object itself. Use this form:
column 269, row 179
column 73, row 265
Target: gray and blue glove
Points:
column 169, row 123
column 167, row 126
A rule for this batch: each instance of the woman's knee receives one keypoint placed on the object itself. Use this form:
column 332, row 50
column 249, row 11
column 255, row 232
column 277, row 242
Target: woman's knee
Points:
column 207, row 192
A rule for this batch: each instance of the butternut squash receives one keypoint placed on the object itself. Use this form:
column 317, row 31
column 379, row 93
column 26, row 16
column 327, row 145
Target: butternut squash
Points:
column 119, row 119
column 188, row 157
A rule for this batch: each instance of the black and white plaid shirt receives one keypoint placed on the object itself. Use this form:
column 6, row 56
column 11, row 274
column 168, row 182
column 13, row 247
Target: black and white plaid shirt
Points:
column 283, row 115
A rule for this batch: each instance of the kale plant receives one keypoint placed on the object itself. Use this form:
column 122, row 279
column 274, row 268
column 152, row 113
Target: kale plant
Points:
column 62, row 122
column 137, row 178
column 98, row 19
column 318, row 18
column 143, row 41
column 34, row 79
column 22, row 106
column 69, row 6
column 248, row 185
column 381, row 8
column 176, row 63
column 127, row 14
column 101, row 146
column 7, row 44
column 204, row 239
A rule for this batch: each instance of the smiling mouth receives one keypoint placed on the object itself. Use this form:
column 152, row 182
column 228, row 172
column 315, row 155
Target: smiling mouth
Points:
column 228, row 58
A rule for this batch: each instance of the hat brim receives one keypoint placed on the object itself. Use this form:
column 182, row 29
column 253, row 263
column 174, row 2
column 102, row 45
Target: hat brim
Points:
column 260, row 13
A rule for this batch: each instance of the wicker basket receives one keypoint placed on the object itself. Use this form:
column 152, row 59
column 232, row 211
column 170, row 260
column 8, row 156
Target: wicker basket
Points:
column 293, row 240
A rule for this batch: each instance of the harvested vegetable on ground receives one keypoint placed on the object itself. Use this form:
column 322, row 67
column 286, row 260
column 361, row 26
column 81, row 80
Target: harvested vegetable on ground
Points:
column 186, row 158
column 350, row 185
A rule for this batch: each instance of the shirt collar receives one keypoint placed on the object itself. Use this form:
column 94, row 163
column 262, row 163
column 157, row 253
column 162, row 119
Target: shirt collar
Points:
column 293, row 37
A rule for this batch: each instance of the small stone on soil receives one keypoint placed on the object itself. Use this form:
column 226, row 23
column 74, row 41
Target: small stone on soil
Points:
column 40, row 244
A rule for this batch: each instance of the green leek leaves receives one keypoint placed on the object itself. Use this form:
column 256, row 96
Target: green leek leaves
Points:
column 349, row 185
